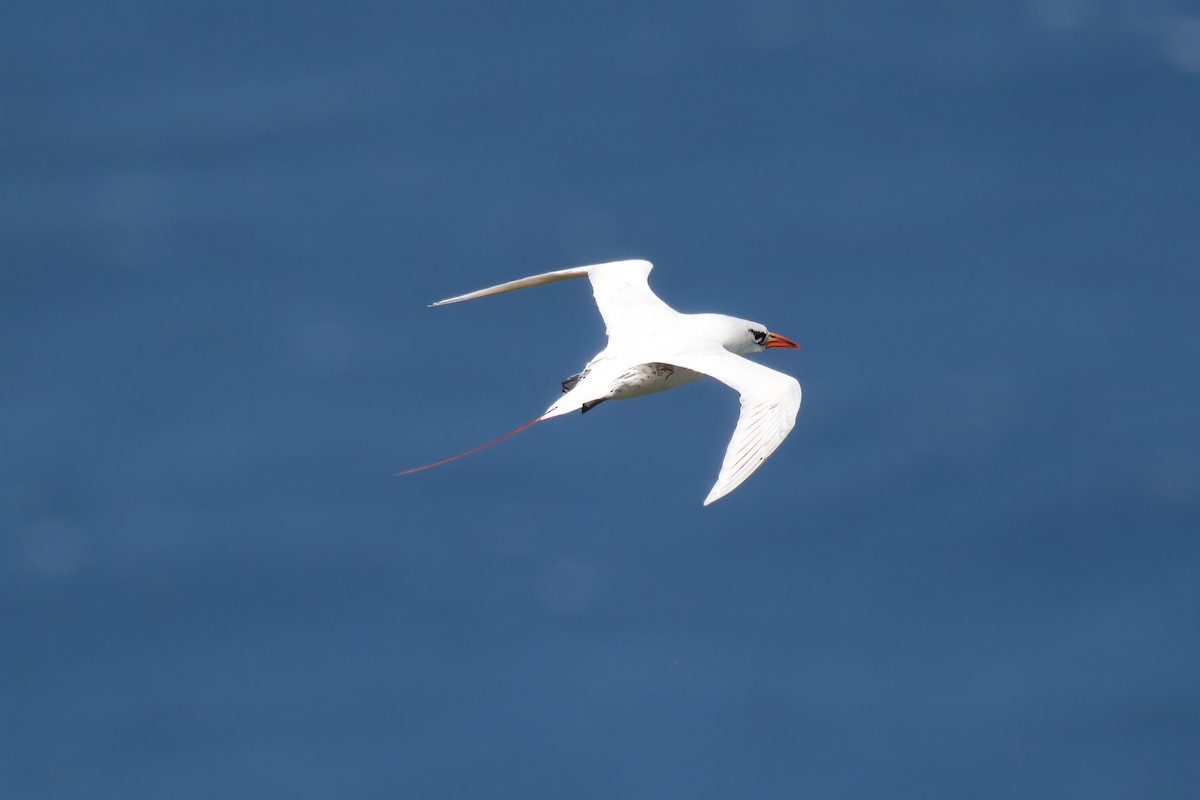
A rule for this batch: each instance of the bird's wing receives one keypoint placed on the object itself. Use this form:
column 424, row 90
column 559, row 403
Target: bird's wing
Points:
column 620, row 288
column 770, row 402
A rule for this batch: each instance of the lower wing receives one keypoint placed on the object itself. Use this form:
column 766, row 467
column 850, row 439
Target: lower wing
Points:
column 770, row 401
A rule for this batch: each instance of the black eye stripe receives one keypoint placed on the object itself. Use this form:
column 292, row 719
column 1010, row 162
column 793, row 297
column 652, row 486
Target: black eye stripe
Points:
column 759, row 336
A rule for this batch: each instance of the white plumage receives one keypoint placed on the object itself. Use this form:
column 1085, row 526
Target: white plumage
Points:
column 652, row 347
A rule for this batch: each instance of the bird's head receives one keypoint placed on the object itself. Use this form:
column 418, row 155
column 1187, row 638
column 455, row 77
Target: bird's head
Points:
column 754, row 338
column 739, row 336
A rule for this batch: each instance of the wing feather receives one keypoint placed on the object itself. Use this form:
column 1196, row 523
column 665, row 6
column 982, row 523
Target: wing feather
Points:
column 770, row 401
column 520, row 283
column 621, row 290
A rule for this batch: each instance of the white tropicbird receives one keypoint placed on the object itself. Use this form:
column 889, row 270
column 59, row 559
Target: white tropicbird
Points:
column 653, row 347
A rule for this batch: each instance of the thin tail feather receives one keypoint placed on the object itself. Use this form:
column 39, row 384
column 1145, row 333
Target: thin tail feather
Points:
column 472, row 450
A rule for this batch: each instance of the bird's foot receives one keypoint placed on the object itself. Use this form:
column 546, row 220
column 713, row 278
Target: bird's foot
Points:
column 590, row 404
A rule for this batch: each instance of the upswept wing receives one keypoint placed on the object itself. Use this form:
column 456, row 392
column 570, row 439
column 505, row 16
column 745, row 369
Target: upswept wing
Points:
column 620, row 288
column 770, row 402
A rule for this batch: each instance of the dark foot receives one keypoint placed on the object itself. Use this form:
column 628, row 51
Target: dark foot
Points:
column 570, row 382
column 590, row 404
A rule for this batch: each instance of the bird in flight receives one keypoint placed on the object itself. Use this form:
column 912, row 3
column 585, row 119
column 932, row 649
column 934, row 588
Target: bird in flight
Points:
column 652, row 347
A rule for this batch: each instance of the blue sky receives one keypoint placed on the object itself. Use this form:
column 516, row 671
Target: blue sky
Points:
column 969, row 570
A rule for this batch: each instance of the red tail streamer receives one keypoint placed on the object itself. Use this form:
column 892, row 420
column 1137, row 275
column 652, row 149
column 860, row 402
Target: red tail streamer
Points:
column 473, row 450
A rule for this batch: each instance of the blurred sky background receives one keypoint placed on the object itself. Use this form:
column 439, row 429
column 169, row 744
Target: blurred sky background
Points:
column 971, row 571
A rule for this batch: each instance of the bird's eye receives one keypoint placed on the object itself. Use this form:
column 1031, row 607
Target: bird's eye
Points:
column 759, row 336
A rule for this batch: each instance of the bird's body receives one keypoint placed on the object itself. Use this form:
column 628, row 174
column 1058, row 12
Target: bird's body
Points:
column 652, row 348
column 640, row 380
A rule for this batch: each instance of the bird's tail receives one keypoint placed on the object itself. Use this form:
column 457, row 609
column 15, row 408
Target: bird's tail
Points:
column 474, row 449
